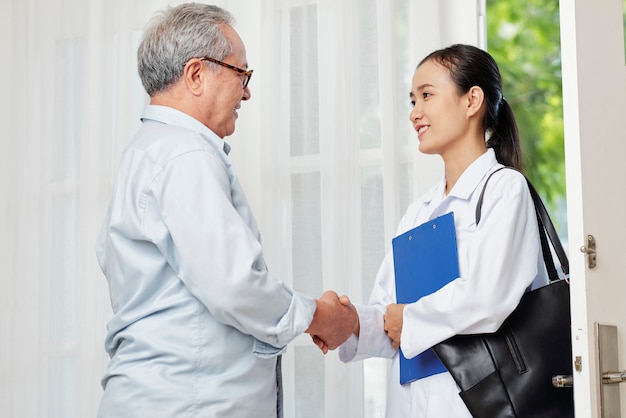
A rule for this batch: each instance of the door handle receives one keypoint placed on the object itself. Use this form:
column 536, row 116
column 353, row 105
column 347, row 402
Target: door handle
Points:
column 611, row 378
column 608, row 362
column 606, row 340
column 608, row 378
column 563, row 381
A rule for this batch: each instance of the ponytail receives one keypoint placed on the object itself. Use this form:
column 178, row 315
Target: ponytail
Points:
column 505, row 139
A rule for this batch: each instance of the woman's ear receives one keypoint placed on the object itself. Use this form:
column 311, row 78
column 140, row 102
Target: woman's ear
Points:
column 475, row 99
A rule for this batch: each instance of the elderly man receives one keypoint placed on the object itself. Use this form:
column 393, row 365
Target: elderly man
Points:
column 199, row 323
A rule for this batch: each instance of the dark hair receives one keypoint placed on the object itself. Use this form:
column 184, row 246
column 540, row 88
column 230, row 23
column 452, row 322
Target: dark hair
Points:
column 471, row 66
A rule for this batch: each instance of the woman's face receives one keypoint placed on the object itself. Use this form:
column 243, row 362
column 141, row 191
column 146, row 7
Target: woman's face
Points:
column 439, row 113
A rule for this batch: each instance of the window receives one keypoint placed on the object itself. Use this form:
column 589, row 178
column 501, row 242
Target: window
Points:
column 350, row 156
column 337, row 165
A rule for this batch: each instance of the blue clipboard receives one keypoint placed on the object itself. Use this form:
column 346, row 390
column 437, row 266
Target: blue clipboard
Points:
column 425, row 259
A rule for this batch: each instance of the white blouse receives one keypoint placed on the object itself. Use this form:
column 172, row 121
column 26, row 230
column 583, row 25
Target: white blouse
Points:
column 498, row 261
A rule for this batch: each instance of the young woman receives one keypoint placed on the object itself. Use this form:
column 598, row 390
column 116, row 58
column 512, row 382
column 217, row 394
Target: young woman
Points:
column 459, row 112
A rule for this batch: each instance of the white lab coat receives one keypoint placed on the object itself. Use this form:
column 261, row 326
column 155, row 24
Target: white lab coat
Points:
column 498, row 261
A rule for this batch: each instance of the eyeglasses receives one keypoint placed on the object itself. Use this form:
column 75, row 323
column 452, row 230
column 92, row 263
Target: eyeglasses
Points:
column 245, row 75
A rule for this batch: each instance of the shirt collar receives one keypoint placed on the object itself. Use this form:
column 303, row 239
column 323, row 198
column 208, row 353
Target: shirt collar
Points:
column 469, row 180
column 472, row 176
column 171, row 116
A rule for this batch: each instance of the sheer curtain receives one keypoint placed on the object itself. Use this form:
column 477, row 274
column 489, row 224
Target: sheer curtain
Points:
column 324, row 150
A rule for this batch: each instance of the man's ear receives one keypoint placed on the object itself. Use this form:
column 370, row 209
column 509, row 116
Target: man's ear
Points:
column 475, row 99
column 193, row 76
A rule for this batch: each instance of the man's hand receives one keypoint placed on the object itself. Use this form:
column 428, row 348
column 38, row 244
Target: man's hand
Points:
column 393, row 323
column 333, row 322
column 346, row 302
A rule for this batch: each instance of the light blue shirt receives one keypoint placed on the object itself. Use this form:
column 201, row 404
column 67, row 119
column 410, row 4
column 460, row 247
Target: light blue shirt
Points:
column 198, row 321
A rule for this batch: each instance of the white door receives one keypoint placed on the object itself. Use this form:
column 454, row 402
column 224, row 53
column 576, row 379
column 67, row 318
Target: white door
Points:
column 594, row 96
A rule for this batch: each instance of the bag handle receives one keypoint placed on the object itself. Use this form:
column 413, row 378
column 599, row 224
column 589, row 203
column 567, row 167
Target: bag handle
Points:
column 545, row 226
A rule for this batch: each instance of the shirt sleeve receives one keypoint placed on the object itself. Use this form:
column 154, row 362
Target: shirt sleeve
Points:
column 372, row 340
column 216, row 253
column 502, row 257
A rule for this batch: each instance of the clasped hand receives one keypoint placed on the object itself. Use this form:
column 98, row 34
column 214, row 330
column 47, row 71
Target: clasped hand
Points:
column 335, row 319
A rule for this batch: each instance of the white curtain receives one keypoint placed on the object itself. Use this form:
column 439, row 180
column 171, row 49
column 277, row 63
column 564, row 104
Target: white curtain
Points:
column 324, row 150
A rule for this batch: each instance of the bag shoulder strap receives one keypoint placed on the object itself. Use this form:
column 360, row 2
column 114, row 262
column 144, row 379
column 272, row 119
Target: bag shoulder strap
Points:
column 479, row 204
column 545, row 226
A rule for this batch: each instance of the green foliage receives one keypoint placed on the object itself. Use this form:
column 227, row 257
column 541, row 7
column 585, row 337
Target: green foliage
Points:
column 523, row 36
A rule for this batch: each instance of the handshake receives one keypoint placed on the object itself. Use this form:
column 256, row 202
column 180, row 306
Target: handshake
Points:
column 335, row 319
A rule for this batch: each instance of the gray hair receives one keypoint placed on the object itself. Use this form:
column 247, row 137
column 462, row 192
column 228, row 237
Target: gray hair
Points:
column 174, row 36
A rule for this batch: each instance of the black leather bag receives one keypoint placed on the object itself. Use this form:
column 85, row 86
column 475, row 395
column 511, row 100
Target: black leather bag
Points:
column 509, row 373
